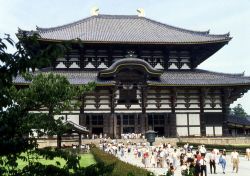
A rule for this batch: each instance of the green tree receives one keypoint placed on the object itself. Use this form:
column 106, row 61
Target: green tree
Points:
column 239, row 111
column 50, row 91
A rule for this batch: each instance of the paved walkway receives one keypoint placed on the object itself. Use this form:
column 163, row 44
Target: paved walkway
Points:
column 244, row 167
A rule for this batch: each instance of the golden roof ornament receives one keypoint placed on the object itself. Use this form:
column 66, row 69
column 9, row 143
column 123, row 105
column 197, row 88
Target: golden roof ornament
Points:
column 94, row 11
column 141, row 12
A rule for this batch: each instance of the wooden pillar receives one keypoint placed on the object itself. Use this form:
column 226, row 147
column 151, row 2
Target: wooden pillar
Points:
column 166, row 125
column 136, row 123
column 121, row 125
column 225, row 110
column 113, row 118
column 144, row 117
column 80, row 139
column 202, row 116
column 90, row 126
column 172, row 118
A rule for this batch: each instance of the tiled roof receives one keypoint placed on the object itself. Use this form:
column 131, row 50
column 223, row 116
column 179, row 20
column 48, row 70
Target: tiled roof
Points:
column 168, row 78
column 200, row 77
column 74, row 77
column 77, row 127
column 126, row 29
column 238, row 120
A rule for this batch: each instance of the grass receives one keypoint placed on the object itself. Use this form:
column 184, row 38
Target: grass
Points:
column 86, row 160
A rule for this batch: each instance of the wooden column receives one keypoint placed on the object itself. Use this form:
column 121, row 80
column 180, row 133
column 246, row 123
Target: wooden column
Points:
column 225, row 110
column 80, row 139
column 166, row 125
column 144, row 117
column 113, row 118
column 90, row 126
column 202, row 116
column 121, row 126
column 172, row 118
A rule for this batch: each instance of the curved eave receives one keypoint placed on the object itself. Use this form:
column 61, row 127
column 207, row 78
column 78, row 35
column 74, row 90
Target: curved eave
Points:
column 197, row 85
column 78, row 84
column 161, row 85
column 138, row 43
column 110, row 72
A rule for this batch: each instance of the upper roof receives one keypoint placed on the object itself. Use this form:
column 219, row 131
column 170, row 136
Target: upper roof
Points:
column 125, row 29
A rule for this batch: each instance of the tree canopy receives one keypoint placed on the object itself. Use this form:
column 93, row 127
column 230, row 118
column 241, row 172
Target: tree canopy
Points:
column 239, row 111
column 49, row 91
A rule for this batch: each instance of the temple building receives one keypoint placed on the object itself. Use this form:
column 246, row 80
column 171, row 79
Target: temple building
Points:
column 146, row 75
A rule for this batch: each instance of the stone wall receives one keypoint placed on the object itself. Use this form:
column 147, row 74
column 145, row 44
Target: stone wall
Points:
column 203, row 140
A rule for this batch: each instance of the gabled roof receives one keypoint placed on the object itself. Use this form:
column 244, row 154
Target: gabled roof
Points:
column 77, row 127
column 131, row 63
column 125, row 29
column 167, row 78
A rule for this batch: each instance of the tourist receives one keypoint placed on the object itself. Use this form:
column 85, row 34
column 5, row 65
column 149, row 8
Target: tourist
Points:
column 212, row 158
column 203, row 164
column 174, row 158
column 182, row 156
column 171, row 170
column 248, row 154
column 184, row 169
column 222, row 161
column 162, row 158
column 235, row 160
column 203, row 150
column 197, row 167
column 189, row 156
column 153, row 159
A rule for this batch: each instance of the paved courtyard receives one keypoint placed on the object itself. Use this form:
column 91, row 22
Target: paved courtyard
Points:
column 244, row 167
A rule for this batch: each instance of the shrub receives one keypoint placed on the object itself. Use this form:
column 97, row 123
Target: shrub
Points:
column 120, row 168
column 229, row 148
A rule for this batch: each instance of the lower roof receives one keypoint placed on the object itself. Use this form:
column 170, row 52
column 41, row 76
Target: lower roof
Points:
column 168, row 78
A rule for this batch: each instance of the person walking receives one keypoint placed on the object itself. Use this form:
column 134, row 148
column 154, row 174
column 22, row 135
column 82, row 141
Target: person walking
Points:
column 222, row 161
column 203, row 164
column 235, row 160
column 248, row 154
column 212, row 164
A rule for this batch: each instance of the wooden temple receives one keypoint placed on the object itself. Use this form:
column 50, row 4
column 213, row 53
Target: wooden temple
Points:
column 146, row 75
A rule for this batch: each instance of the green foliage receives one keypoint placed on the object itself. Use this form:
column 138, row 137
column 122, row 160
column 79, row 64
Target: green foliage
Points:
column 120, row 168
column 46, row 91
column 239, row 111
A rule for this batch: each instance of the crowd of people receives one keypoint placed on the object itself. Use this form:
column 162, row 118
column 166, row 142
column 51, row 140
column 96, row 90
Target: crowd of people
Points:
column 132, row 136
column 197, row 161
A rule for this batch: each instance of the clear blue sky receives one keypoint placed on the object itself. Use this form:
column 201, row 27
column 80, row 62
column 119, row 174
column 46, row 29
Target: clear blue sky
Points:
column 220, row 16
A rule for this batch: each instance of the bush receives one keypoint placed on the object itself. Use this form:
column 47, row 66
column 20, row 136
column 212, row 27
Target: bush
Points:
column 229, row 148
column 120, row 168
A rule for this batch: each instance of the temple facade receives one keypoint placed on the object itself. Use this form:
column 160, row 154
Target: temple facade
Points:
column 146, row 75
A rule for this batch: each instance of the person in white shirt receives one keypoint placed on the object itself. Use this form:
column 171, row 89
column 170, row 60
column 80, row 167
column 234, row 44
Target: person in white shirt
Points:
column 248, row 154
column 203, row 164
column 212, row 163
column 203, row 150
column 235, row 160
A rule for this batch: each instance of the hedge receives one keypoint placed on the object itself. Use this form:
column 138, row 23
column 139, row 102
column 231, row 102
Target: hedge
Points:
column 120, row 168
column 229, row 148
